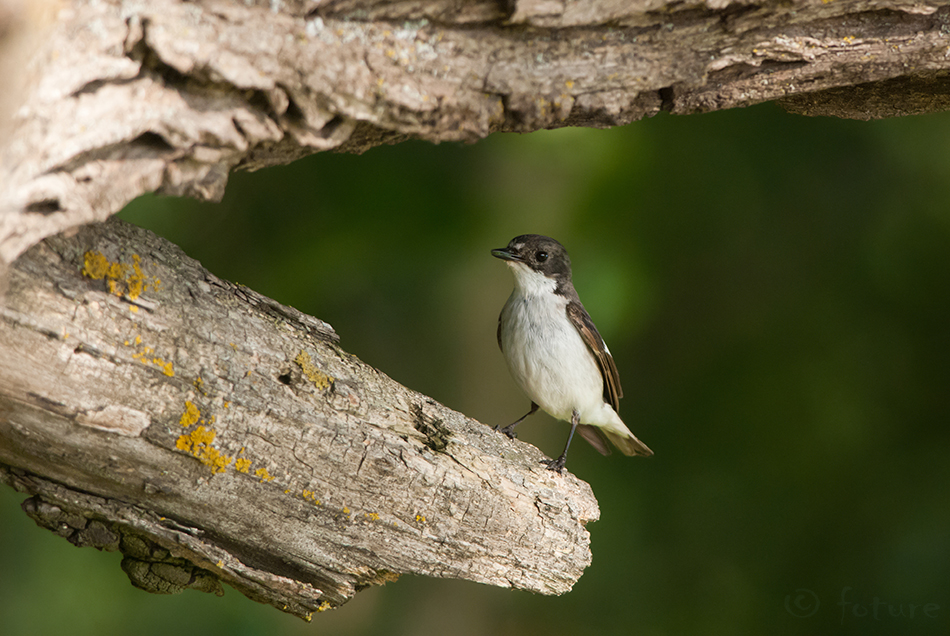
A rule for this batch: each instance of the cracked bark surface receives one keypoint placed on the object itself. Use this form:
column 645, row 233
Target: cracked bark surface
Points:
column 213, row 435
column 126, row 97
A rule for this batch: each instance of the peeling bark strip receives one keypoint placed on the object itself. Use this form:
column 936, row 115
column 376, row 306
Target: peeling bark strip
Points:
column 210, row 433
column 169, row 96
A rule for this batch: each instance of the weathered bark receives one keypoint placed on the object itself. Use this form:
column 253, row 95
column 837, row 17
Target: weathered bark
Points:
column 212, row 434
column 128, row 97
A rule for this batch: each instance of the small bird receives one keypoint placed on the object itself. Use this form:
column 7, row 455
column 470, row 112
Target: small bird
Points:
column 554, row 351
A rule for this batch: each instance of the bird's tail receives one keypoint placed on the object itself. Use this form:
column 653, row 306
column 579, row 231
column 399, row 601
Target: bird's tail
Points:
column 598, row 436
column 629, row 445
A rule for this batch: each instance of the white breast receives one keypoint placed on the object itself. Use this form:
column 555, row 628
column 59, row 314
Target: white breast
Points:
column 547, row 356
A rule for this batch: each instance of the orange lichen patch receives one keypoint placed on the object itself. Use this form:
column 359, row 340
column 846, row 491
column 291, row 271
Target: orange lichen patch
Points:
column 201, row 436
column 372, row 516
column 96, row 266
column 242, row 464
column 213, row 458
column 165, row 366
column 118, row 278
column 311, row 496
column 136, row 281
column 263, row 474
column 198, row 443
column 184, row 443
column 190, row 416
column 145, row 357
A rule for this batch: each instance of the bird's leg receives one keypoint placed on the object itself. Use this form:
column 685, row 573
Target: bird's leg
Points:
column 557, row 465
column 510, row 429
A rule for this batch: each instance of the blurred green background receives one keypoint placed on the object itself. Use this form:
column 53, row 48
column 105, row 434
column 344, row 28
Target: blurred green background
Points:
column 776, row 292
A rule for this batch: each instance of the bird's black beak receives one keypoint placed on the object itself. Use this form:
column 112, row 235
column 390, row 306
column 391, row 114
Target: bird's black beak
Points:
column 506, row 254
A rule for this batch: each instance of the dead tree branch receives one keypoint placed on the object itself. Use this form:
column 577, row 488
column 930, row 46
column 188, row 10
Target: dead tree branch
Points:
column 213, row 435
column 126, row 97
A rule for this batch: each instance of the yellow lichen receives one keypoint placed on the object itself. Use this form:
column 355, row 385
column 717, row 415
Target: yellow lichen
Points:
column 145, row 357
column 420, row 519
column 324, row 606
column 166, row 367
column 320, row 379
column 118, row 279
column 372, row 516
column 96, row 266
column 202, row 435
column 183, row 443
column 190, row 416
column 198, row 443
column 263, row 474
column 212, row 457
column 136, row 281
column 242, row 464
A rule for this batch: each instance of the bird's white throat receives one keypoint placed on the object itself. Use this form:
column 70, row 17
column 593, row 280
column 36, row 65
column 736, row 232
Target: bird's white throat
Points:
column 529, row 282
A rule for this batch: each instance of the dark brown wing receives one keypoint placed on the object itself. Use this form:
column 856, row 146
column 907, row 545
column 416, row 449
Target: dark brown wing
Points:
column 498, row 334
column 585, row 326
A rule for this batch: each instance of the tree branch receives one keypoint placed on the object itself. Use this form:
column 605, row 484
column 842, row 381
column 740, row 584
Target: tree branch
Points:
column 212, row 434
column 169, row 96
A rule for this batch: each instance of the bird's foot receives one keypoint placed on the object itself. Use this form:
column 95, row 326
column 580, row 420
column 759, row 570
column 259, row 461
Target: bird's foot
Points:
column 508, row 430
column 557, row 465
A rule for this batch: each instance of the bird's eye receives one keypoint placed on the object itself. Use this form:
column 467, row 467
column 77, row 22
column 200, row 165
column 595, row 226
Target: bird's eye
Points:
column 541, row 256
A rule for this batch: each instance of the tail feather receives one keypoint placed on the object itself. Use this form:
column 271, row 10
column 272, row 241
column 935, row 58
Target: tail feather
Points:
column 597, row 437
column 629, row 445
